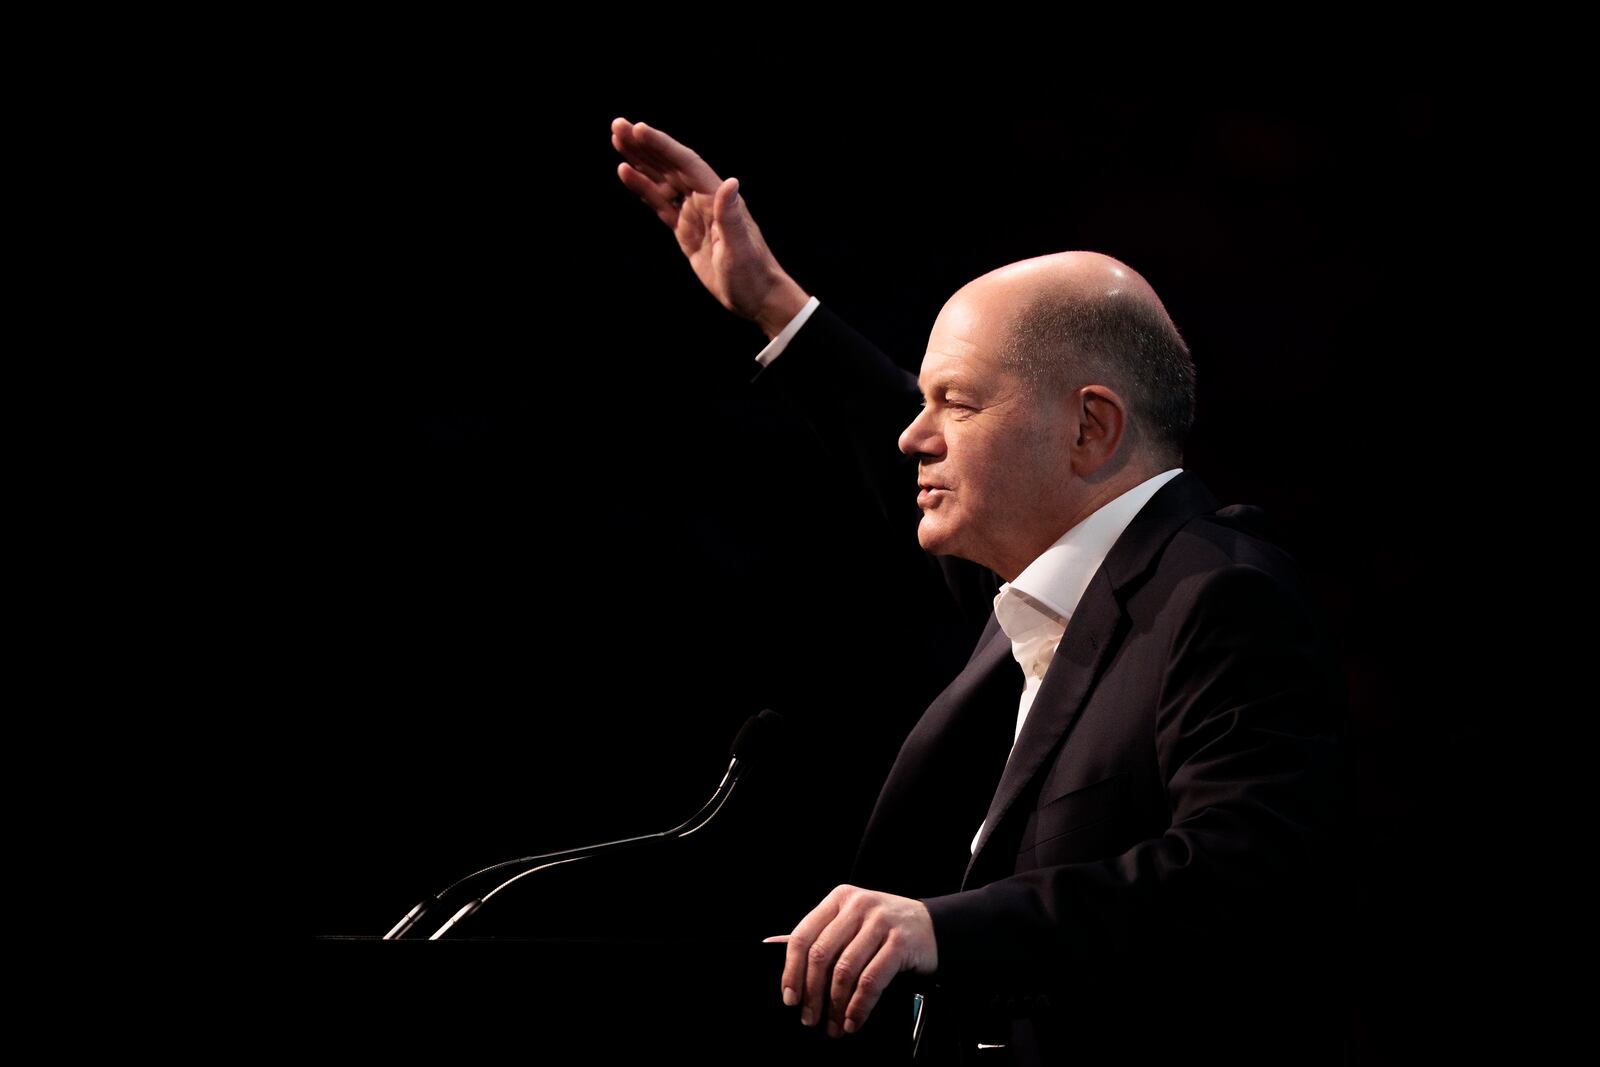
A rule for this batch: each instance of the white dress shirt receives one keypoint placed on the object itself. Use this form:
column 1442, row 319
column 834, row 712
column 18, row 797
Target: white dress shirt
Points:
column 1034, row 609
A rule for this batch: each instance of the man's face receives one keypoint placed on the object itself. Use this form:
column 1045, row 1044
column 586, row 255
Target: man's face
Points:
column 994, row 475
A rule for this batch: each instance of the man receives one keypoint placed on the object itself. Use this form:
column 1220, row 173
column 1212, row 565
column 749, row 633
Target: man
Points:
column 1146, row 737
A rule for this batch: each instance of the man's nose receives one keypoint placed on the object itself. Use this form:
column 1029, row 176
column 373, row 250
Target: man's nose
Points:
column 918, row 438
column 912, row 434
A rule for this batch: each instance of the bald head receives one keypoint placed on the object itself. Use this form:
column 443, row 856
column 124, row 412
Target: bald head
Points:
column 1079, row 274
column 1079, row 318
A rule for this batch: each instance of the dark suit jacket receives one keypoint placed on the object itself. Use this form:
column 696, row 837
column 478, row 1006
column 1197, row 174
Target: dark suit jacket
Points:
column 1159, row 871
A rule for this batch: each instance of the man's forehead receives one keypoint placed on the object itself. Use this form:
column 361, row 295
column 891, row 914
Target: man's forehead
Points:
column 962, row 344
column 944, row 374
column 954, row 361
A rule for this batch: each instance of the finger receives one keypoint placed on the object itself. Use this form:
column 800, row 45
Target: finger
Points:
column 638, row 163
column 794, row 974
column 670, row 155
column 797, row 959
column 623, row 141
column 780, row 939
column 670, row 158
column 646, row 187
column 727, row 210
column 817, row 968
column 822, row 962
column 848, row 972
column 662, row 199
column 875, row 978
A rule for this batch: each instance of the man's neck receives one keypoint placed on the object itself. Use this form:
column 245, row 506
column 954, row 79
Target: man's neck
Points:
column 1096, row 497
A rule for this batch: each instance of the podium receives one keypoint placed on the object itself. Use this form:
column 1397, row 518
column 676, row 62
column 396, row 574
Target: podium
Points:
column 575, row 1001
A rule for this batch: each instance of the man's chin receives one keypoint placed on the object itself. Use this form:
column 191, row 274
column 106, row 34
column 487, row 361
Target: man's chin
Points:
column 932, row 540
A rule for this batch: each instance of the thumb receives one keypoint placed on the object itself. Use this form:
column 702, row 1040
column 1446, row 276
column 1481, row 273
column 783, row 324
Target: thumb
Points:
column 727, row 208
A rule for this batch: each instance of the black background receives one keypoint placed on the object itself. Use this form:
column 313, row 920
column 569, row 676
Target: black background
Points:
column 547, row 553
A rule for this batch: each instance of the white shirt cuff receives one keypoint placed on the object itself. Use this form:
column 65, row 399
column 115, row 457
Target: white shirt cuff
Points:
column 780, row 342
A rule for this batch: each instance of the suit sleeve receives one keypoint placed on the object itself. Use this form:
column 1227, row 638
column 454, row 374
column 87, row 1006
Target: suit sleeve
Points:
column 858, row 397
column 1248, row 728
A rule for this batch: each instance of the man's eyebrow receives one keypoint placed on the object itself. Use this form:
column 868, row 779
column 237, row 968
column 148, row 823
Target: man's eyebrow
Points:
column 947, row 384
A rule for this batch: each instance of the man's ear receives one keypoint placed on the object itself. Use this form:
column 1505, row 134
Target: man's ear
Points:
column 1102, row 420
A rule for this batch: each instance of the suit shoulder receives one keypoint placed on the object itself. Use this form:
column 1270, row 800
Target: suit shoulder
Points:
column 1229, row 563
column 1239, row 535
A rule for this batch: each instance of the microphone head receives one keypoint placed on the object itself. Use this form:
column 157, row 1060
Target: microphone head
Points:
column 758, row 737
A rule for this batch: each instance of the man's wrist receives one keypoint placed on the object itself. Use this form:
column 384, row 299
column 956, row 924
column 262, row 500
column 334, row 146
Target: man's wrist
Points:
column 783, row 303
column 776, row 346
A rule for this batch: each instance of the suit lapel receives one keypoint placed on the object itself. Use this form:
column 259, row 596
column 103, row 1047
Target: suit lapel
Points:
column 943, row 776
column 1092, row 635
column 950, row 715
column 1084, row 647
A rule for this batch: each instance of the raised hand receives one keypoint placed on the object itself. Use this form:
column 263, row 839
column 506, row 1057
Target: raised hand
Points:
column 707, row 215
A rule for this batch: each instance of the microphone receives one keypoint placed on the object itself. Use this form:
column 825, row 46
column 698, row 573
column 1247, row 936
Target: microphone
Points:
column 755, row 741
